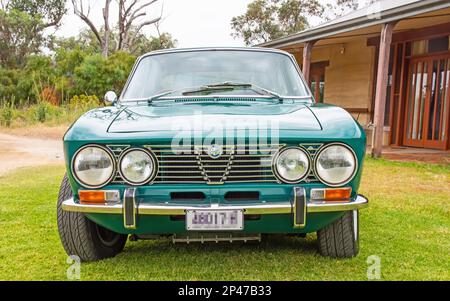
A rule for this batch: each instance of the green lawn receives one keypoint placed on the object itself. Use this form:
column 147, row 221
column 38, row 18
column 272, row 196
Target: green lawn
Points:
column 407, row 226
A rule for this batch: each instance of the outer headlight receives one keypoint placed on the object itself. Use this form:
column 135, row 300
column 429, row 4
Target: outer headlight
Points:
column 291, row 165
column 93, row 166
column 336, row 164
column 137, row 166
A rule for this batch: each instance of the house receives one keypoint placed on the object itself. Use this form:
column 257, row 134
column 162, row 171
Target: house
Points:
column 388, row 65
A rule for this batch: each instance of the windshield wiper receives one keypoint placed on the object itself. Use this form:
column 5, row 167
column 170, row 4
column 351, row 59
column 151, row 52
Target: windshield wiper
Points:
column 160, row 95
column 226, row 86
column 211, row 88
column 201, row 89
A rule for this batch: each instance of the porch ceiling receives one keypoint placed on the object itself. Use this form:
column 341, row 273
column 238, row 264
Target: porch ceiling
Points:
column 441, row 16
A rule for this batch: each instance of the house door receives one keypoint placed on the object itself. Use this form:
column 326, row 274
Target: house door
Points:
column 428, row 102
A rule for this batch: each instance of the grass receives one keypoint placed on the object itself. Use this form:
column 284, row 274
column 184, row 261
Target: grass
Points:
column 407, row 226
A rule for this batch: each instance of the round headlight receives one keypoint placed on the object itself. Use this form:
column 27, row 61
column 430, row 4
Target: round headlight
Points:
column 93, row 166
column 291, row 165
column 137, row 166
column 336, row 164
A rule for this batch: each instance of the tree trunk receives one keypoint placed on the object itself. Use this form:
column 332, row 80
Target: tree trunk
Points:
column 105, row 46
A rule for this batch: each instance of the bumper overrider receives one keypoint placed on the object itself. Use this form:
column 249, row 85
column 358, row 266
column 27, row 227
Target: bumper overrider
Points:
column 298, row 206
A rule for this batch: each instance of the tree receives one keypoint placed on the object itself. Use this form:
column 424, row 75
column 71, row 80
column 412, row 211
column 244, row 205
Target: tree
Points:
column 97, row 74
column 266, row 20
column 341, row 7
column 49, row 11
column 20, row 36
column 258, row 24
column 131, row 20
column 22, row 26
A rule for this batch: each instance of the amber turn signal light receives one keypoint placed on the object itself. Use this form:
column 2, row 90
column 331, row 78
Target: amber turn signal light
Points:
column 98, row 196
column 331, row 194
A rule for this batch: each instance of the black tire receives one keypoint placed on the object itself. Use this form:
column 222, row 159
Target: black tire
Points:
column 341, row 238
column 82, row 237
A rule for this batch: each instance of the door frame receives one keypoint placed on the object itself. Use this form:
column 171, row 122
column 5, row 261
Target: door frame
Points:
column 424, row 142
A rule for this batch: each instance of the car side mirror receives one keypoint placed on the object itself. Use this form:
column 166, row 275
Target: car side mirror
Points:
column 110, row 98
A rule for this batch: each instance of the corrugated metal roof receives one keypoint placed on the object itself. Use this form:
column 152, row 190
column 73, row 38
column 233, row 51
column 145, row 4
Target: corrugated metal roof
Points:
column 375, row 14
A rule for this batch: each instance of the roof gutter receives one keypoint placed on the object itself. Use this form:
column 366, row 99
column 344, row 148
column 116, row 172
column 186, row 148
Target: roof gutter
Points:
column 395, row 14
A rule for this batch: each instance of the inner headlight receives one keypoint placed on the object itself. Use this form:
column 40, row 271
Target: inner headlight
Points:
column 291, row 165
column 336, row 164
column 93, row 166
column 137, row 166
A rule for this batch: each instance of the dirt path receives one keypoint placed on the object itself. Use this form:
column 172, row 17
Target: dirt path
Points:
column 21, row 151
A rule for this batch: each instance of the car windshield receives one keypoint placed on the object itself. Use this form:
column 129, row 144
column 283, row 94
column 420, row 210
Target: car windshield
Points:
column 173, row 73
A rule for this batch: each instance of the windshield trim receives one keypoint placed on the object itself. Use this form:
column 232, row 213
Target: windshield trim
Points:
column 254, row 49
column 218, row 96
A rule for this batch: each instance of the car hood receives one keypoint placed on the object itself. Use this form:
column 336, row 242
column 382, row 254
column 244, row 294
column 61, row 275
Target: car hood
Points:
column 210, row 116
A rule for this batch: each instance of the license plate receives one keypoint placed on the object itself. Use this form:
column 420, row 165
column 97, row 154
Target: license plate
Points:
column 201, row 220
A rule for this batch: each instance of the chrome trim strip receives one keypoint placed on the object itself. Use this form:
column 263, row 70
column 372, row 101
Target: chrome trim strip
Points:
column 282, row 208
column 360, row 203
column 130, row 196
column 121, row 101
column 299, row 197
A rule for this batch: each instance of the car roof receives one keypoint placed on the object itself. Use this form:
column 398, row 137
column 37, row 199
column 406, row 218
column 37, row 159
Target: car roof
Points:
column 199, row 49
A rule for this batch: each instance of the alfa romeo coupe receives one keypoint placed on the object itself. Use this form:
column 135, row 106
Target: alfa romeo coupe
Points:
column 211, row 145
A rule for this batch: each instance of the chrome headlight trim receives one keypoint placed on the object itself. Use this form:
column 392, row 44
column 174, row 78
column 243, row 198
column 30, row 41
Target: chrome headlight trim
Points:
column 275, row 169
column 113, row 163
column 152, row 158
column 319, row 152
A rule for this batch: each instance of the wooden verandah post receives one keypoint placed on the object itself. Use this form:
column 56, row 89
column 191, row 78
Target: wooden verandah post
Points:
column 381, row 88
column 307, row 50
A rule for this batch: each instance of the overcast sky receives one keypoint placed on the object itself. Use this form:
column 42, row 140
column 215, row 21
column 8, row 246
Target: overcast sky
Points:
column 194, row 23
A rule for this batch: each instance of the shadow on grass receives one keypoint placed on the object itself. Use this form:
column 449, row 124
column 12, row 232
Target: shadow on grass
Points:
column 272, row 244
column 274, row 258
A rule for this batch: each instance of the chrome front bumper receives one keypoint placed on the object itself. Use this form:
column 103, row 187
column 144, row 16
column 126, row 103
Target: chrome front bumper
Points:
column 282, row 208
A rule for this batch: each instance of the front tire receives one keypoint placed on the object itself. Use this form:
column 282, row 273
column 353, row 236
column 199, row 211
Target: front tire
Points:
column 82, row 237
column 341, row 238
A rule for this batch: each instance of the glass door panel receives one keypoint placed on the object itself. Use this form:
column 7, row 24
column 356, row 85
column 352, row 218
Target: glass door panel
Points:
column 427, row 114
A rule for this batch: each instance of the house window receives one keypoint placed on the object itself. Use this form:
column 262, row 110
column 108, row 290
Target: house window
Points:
column 419, row 47
column 438, row 45
column 317, row 80
column 430, row 46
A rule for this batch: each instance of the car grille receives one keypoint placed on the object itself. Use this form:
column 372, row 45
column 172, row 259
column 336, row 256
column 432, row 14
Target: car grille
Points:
column 193, row 165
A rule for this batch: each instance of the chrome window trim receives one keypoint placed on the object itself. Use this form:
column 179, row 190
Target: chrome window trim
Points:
column 250, row 49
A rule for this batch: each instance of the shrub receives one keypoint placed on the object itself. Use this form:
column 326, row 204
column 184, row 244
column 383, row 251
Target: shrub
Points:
column 41, row 112
column 83, row 103
column 7, row 113
column 97, row 75
column 49, row 95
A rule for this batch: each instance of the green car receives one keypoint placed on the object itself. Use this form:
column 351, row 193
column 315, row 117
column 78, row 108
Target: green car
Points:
column 211, row 145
